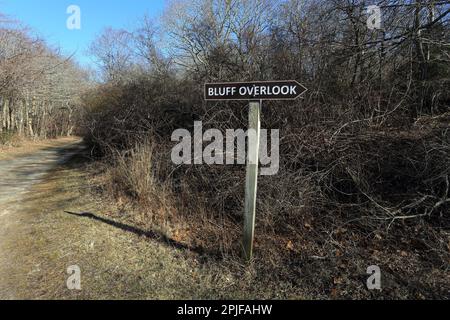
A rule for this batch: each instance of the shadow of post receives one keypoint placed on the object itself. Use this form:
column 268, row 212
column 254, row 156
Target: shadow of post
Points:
column 161, row 238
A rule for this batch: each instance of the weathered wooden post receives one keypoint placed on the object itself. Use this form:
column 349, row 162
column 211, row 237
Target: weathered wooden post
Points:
column 251, row 184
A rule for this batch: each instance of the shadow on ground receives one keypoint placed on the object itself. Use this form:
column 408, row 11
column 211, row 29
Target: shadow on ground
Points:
column 141, row 233
column 77, row 161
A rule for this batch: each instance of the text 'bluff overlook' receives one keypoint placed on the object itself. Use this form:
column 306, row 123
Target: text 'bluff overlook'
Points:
column 270, row 90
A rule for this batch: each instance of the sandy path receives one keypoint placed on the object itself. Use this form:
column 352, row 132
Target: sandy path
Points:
column 17, row 176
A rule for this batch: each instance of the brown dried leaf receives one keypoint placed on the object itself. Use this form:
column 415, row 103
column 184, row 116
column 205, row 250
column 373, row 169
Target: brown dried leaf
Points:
column 290, row 246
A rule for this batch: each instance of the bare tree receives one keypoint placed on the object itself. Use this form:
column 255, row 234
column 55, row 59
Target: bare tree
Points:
column 39, row 88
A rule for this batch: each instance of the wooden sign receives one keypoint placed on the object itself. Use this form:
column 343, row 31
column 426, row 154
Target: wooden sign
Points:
column 261, row 90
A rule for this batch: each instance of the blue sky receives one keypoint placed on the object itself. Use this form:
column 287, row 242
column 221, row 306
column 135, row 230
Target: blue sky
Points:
column 48, row 19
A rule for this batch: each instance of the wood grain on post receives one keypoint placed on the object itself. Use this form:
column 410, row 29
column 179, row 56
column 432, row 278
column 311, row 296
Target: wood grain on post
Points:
column 252, row 178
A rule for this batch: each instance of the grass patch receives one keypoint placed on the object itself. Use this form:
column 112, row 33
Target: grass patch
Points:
column 116, row 260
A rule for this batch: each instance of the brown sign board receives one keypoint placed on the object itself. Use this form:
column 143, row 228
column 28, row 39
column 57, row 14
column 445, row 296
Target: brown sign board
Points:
column 260, row 90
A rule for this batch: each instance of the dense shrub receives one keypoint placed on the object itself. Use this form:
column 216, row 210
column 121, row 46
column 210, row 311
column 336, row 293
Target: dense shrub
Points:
column 364, row 155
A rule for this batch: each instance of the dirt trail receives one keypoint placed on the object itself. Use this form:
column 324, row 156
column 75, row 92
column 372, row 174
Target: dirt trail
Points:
column 17, row 176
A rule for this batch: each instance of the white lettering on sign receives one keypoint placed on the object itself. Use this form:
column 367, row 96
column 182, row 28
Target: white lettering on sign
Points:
column 220, row 92
column 293, row 90
column 263, row 90
column 254, row 91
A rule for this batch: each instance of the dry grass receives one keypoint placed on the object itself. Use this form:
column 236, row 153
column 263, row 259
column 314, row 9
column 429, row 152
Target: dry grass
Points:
column 133, row 248
column 118, row 258
column 137, row 175
column 310, row 234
